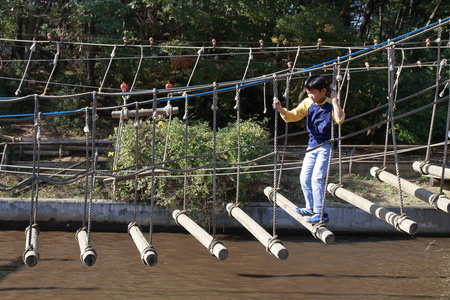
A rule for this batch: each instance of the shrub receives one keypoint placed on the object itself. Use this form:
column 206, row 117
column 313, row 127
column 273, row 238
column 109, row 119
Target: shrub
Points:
column 169, row 189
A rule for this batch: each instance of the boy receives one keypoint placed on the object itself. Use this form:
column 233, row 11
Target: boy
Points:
column 317, row 109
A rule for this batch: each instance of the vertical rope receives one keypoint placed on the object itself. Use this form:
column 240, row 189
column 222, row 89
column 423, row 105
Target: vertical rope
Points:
column 391, row 61
column 444, row 157
column 327, row 176
column 275, row 157
column 117, row 147
column 39, row 129
column 264, row 98
column 55, row 61
column 238, row 127
column 136, row 159
column 32, row 48
column 113, row 53
column 286, row 126
column 338, row 78
column 186, row 139
column 86, row 184
column 93, row 161
column 33, row 203
column 196, row 63
column 152, row 198
column 250, row 57
column 214, row 108
column 390, row 79
column 168, row 110
column 436, row 94
column 139, row 67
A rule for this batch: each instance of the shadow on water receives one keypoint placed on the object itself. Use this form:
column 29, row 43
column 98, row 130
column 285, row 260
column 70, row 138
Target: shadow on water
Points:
column 49, row 288
column 12, row 266
column 334, row 276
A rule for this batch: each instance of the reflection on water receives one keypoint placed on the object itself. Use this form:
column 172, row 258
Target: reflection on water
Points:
column 351, row 268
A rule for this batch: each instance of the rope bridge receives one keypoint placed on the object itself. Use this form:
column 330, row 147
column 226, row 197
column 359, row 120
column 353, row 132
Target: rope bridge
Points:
column 217, row 168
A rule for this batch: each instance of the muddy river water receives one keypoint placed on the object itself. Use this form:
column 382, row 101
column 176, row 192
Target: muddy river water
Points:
column 351, row 268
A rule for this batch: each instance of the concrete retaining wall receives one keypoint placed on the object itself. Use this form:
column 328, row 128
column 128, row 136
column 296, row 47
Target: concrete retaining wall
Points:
column 344, row 218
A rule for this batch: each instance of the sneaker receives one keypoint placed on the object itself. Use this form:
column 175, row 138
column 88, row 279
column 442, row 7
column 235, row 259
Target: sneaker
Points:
column 303, row 211
column 316, row 218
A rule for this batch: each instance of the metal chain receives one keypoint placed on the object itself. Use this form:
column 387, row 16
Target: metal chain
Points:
column 214, row 108
column 238, row 127
column 136, row 159
column 438, row 75
column 275, row 157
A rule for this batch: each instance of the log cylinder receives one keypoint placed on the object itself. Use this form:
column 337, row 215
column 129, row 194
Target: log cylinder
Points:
column 275, row 247
column 88, row 255
column 149, row 256
column 431, row 170
column 31, row 255
column 321, row 232
column 217, row 249
column 440, row 201
column 399, row 222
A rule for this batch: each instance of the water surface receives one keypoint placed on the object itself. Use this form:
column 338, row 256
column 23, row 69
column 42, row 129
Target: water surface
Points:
column 351, row 268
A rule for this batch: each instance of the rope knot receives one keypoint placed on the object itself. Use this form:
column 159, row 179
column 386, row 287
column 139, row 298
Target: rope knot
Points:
column 213, row 243
column 316, row 227
column 178, row 214
column 231, row 207
column 272, row 241
column 399, row 220
column 377, row 173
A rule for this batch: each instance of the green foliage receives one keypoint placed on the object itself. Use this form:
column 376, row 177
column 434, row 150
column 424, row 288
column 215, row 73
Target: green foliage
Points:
column 169, row 189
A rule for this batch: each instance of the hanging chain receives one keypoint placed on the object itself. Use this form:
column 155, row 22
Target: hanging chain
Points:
column 136, row 159
column 438, row 75
column 238, row 127
column 275, row 157
column 214, row 108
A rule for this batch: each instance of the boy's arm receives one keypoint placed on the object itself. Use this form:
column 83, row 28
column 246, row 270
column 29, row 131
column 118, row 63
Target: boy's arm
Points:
column 338, row 113
column 293, row 115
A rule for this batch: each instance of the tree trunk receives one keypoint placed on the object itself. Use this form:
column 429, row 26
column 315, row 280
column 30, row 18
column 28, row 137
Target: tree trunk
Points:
column 433, row 14
column 367, row 13
column 380, row 26
column 344, row 13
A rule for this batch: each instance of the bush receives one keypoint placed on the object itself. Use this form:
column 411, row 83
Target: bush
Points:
column 169, row 189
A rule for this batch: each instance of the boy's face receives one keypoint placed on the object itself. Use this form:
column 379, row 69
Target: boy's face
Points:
column 317, row 96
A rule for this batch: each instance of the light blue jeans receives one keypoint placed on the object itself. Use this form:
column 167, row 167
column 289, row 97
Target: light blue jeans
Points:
column 312, row 177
